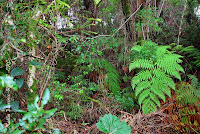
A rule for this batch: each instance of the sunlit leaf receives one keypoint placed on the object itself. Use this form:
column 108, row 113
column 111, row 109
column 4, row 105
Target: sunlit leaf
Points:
column 111, row 124
column 45, row 97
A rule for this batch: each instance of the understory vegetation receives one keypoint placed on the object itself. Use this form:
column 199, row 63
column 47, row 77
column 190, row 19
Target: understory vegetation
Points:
column 99, row 66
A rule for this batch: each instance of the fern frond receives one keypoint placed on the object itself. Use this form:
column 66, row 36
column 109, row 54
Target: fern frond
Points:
column 136, row 48
column 112, row 77
column 143, row 96
column 148, row 106
column 156, row 90
column 141, row 63
column 154, row 99
column 157, row 64
column 189, row 93
column 142, row 86
column 168, row 67
column 162, row 50
column 141, row 76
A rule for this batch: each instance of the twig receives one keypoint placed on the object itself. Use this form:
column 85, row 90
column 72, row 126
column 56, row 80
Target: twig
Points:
column 98, row 102
column 127, row 20
column 11, row 45
column 53, row 60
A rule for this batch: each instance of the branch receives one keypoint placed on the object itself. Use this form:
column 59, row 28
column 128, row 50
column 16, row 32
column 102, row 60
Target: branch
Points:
column 127, row 20
column 160, row 9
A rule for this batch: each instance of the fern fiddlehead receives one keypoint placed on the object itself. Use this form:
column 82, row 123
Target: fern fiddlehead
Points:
column 157, row 65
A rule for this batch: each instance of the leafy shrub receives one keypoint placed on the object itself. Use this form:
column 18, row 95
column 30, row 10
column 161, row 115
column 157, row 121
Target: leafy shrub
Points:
column 156, row 66
column 32, row 120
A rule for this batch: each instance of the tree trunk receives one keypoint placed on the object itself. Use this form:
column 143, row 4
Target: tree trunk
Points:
column 126, row 8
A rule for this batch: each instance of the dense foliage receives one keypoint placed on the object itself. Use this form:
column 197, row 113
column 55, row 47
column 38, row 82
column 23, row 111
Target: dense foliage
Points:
column 66, row 63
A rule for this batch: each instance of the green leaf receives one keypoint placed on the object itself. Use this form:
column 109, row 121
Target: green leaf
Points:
column 35, row 63
column 17, row 71
column 7, row 81
column 17, row 131
column 2, row 129
column 23, row 40
column 143, row 96
column 45, row 97
column 155, row 99
column 141, row 86
column 141, row 63
column 136, row 48
column 36, row 102
column 56, row 131
column 49, row 113
column 3, row 106
column 148, row 106
column 28, row 116
column 111, row 124
column 41, row 123
column 14, row 105
column 97, row 1
column 32, row 108
column 21, row 111
column 158, row 92
column 19, row 82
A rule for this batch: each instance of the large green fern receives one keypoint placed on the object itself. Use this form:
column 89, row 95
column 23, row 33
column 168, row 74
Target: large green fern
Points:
column 189, row 51
column 156, row 66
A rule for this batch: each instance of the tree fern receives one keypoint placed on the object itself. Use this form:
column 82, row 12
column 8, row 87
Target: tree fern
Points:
column 157, row 65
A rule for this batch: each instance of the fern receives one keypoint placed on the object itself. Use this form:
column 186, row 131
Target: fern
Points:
column 112, row 77
column 189, row 93
column 153, row 82
column 190, row 51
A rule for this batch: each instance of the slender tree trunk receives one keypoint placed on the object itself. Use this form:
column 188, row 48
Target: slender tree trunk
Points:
column 126, row 7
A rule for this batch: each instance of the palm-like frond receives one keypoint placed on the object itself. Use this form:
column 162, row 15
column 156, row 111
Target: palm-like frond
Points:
column 153, row 81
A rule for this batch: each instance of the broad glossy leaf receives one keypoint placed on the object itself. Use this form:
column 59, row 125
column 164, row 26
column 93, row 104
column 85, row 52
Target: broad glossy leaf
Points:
column 7, row 81
column 14, row 105
column 45, row 97
column 111, row 124
column 17, row 71
column 19, row 82
column 32, row 108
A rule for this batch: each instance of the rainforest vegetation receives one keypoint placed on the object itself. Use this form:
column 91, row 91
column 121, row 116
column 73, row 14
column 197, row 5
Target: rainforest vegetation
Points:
column 99, row 66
